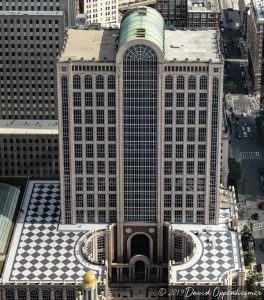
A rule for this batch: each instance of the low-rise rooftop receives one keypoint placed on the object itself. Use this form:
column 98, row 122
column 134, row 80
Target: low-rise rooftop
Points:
column 203, row 6
column 259, row 9
column 28, row 127
column 101, row 45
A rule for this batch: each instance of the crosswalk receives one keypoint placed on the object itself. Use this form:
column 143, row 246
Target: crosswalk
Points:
column 250, row 155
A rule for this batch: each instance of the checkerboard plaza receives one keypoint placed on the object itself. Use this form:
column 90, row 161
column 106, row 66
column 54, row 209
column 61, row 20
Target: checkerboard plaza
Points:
column 47, row 256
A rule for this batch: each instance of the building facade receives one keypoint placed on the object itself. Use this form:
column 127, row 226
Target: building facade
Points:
column 189, row 14
column 32, row 35
column 29, row 148
column 102, row 12
column 255, row 23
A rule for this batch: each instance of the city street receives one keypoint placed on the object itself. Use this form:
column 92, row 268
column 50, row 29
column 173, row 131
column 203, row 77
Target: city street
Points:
column 246, row 150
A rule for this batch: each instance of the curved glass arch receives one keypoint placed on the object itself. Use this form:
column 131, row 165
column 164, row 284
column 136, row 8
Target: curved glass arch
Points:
column 140, row 52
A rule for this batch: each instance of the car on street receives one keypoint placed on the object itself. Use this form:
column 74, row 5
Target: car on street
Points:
column 255, row 216
column 243, row 128
column 245, row 124
column 222, row 29
column 260, row 170
column 245, row 134
column 239, row 136
column 261, row 178
column 248, row 129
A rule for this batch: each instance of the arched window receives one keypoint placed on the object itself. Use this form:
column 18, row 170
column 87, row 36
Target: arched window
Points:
column 140, row 245
column 111, row 82
column 180, row 82
column 99, row 82
column 34, row 295
column 88, row 82
column 58, row 295
column 168, row 82
column 76, row 82
column 22, row 294
column 46, row 295
column 191, row 83
column 203, row 83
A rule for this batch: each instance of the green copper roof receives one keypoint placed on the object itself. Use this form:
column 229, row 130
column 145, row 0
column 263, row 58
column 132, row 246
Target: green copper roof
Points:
column 142, row 23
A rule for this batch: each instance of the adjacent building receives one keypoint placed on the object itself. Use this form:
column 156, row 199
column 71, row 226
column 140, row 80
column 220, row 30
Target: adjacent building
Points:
column 190, row 14
column 101, row 11
column 29, row 148
column 255, row 23
column 32, row 35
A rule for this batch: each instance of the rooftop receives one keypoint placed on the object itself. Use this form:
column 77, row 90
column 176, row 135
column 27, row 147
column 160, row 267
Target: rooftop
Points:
column 259, row 9
column 30, row 13
column 90, row 45
column 100, row 45
column 28, row 127
column 203, row 5
column 192, row 45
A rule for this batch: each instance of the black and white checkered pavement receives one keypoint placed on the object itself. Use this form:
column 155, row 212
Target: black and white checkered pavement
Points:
column 216, row 260
column 44, row 253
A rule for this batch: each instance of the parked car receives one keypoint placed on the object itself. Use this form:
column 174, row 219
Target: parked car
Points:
column 245, row 134
column 260, row 170
column 255, row 216
column 261, row 178
column 248, row 129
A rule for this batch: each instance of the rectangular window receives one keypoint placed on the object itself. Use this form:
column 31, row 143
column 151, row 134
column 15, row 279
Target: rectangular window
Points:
column 190, row 167
column 100, row 150
column 189, row 200
column 101, row 200
column 200, row 200
column 203, row 100
column 112, row 167
column 179, row 117
column 191, row 100
column 167, row 216
column 202, row 134
column 101, row 167
column 111, row 134
column 190, row 134
column 167, row 200
column 77, row 99
column 78, row 167
column 101, row 184
column 201, row 167
column 179, row 151
column 180, row 99
column 90, row 184
column 89, row 150
column 178, row 184
column 111, row 99
column 191, row 116
column 167, row 167
column 168, row 99
column 179, row 134
column 77, row 133
column 88, row 98
column 201, row 151
column 189, row 184
column 90, row 216
column 89, row 167
column 88, row 116
column 100, row 133
column 89, row 133
column 178, row 167
column 189, row 216
column 178, row 200
column 99, row 99
column 167, row 184
column 178, row 216
column 168, row 134
column 168, row 151
column 112, row 151
column 100, row 116
column 78, row 150
column 77, row 116
column 111, row 117
column 112, row 200
column 200, row 217
column 190, row 151
column 168, row 117
column 202, row 117
column 200, row 184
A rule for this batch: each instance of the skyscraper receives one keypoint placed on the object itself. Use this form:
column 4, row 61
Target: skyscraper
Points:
column 32, row 35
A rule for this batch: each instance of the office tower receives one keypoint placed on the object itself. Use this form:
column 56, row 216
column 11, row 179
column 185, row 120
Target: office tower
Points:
column 101, row 11
column 140, row 163
column 255, row 23
column 32, row 35
column 140, row 128
column 190, row 14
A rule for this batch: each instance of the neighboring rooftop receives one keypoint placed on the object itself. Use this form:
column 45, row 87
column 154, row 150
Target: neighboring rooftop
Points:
column 28, row 127
column 203, row 5
column 259, row 9
column 31, row 13
column 192, row 45
column 90, row 45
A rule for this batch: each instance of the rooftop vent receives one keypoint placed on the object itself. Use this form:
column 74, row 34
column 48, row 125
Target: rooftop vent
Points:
column 140, row 32
column 142, row 11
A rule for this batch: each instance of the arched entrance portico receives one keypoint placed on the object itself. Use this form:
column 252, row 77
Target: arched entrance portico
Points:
column 140, row 264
